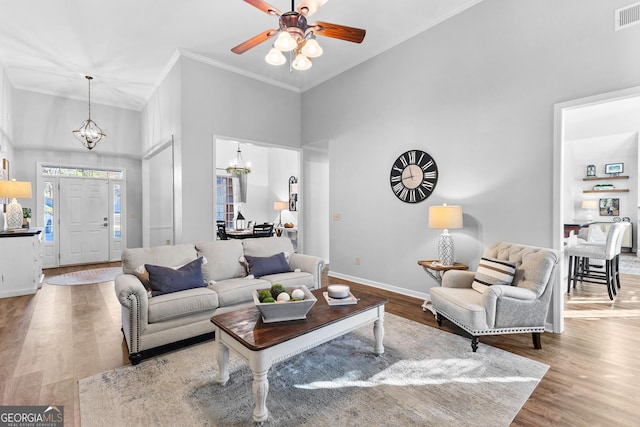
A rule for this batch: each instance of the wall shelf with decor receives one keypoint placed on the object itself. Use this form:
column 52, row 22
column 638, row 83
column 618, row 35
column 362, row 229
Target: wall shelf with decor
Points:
column 600, row 178
column 605, row 191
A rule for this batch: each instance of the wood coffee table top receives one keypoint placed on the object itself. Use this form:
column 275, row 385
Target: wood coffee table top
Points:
column 246, row 326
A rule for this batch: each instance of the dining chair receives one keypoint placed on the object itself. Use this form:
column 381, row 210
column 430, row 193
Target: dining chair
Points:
column 580, row 257
column 263, row 230
column 221, row 230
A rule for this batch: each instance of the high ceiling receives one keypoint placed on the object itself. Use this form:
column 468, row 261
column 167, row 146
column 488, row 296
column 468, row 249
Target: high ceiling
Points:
column 48, row 46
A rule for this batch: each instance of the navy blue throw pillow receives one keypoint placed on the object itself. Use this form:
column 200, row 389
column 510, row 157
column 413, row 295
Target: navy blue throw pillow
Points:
column 261, row 266
column 164, row 280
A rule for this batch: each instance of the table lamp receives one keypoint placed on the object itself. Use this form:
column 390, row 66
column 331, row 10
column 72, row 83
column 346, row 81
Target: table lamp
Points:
column 445, row 217
column 15, row 190
column 280, row 206
column 589, row 205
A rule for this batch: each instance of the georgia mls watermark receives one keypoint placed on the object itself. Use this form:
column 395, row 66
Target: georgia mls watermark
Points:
column 31, row 416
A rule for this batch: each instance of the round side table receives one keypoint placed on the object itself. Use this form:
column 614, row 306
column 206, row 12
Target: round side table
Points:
column 434, row 269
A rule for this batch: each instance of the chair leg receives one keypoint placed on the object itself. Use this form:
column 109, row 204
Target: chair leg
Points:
column 439, row 319
column 537, row 343
column 569, row 275
column 608, row 279
column 474, row 343
column 584, row 270
column 618, row 271
column 612, row 271
column 576, row 269
column 135, row 358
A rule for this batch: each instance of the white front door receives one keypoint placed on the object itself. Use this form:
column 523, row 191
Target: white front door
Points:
column 84, row 221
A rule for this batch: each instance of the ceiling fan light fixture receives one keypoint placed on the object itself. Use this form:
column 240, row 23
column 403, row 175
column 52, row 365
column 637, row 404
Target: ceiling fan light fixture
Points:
column 301, row 63
column 275, row 57
column 285, row 42
column 296, row 35
column 311, row 48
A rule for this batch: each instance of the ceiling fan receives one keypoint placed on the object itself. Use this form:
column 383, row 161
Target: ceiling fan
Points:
column 296, row 35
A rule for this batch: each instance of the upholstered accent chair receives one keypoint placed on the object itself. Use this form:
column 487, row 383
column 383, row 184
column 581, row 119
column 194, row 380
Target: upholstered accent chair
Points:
column 482, row 308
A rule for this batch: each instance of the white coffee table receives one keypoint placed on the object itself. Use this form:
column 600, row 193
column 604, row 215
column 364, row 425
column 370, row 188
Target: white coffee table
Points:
column 263, row 344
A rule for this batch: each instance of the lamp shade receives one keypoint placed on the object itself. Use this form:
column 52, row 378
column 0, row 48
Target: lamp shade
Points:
column 445, row 216
column 589, row 204
column 278, row 206
column 15, row 189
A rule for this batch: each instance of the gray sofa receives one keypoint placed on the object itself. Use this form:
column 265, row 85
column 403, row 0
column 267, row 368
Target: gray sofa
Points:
column 151, row 322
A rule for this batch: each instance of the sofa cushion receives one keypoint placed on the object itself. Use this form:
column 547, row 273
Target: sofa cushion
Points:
column 261, row 266
column 463, row 304
column 164, row 280
column 493, row 272
column 295, row 278
column 222, row 259
column 178, row 304
column 168, row 256
column 236, row 291
column 267, row 246
column 143, row 275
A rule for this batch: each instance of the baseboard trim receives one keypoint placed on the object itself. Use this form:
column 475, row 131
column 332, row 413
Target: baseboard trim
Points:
column 386, row 287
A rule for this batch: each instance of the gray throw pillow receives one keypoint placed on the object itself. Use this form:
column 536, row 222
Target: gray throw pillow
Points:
column 164, row 280
column 261, row 266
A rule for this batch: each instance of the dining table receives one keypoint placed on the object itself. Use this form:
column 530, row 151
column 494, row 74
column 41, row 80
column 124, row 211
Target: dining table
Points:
column 239, row 234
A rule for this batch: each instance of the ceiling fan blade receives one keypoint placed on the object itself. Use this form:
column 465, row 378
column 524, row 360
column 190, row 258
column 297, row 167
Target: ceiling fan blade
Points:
column 254, row 41
column 350, row 34
column 265, row 7
column 309, row 7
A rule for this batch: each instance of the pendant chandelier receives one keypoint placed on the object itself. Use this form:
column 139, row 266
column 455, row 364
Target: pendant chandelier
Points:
column 89, row 132
column 237, row 167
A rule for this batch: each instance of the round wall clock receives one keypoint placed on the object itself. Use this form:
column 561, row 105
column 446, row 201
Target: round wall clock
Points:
column 414, row 176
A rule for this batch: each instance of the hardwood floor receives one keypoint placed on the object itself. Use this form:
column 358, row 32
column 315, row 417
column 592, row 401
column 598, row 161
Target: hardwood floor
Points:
column 50, row 340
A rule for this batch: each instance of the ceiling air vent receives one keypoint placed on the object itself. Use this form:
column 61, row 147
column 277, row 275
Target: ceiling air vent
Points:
column 627, row 16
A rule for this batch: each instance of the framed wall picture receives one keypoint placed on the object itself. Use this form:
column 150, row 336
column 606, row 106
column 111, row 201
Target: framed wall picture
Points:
column 609, row 207
column 614, row 168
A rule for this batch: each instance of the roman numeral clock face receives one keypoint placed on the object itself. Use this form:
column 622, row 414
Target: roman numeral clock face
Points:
column 414, row 176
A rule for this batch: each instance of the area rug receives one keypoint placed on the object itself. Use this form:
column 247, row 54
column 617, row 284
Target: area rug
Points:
column 85, row 277
column 425, row 377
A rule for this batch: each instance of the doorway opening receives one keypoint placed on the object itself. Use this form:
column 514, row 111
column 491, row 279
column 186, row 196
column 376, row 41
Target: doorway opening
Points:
column 595, row 121
column 81, row 211
column 271, row 168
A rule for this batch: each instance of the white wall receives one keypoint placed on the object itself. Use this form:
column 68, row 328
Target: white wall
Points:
column 6, row 114
column 315, row 202
column 42, row 126
column 161, row 197
column 162, row 114
column 599, row 151
column 218, row 102
column 477, row 93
